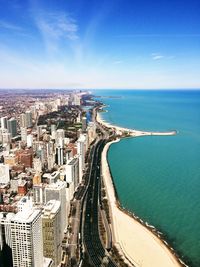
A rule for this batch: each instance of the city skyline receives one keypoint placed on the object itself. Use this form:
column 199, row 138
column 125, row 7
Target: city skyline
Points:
column 93, row 44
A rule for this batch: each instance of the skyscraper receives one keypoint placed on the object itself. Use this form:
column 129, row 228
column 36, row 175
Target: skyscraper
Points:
column 24, row 134
column 60, row 156
column 57, row 191
column 4, row 173
column 54, row 191
column 84, row 124
column 23, row 123
column 51, row 230
column 4, row 122
column 12, row 127
column 28, row 119
column 72, row 172
column 26, row 236
column 81, row 150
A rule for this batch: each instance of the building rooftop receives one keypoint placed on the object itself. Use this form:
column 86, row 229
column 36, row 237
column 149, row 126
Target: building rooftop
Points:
column 51, row 208
column 26, row 216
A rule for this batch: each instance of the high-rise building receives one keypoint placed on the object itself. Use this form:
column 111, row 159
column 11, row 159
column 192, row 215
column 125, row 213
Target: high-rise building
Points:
column 39, row 132
column 34, row 111
column 91, row 129
column 23, row 123
column 53, row 131
column 4, row 173
column 6, row 138
column 81, row 150
column 72, row 172
column 77, row 100
column 28, row 119
column 24, row 134
column 57, row 191
column 54, row 191
column 26, row 236
column 60, row 133
column 4, row 123
column 51, row 230
column 29, row 140
column 37, row 165
column 5, row 239
column 60, row 156
column 12, row 127
column 84, row 124
column 51, row 161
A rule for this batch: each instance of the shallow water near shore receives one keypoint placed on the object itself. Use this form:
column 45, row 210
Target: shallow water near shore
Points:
column 158, row 177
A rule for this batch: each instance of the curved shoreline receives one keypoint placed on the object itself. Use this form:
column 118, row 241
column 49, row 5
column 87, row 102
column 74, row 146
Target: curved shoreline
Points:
column 132, row 132
column 139, row 242
column 139, row 245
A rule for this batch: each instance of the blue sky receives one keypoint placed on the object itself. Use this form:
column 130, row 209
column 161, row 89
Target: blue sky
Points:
column 99, row 44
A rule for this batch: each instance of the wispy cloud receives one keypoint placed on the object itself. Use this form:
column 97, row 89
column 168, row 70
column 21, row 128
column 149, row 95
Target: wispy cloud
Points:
column 9, row 26
column 157, row 56
column 57, row 25
column 117, row 62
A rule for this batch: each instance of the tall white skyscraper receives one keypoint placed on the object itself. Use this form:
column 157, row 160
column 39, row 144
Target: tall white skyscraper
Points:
column 29, row 140
column 72, row 172
column 4, row 123
column 23, row 134
column 81, row 150
column 26, row 236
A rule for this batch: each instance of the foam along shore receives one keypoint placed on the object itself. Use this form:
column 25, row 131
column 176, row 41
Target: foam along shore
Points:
column 138, row 243
column 131, row 132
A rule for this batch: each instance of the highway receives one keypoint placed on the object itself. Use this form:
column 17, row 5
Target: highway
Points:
column 90, row 228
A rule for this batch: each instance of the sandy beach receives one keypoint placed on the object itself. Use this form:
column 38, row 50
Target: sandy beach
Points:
column 139, row 245
column 132, row 132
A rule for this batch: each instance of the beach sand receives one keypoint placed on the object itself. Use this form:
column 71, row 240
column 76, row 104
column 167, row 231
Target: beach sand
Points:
column 137, row 243
column 132, row 132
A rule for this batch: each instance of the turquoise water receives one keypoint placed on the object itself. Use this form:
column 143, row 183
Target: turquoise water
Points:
column 158, row 178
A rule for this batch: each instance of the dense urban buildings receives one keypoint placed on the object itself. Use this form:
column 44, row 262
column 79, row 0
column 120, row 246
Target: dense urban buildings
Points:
column 43, row 146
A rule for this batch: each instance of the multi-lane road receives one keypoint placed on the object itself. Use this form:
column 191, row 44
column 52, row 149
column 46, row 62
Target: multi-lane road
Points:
column 90, row 227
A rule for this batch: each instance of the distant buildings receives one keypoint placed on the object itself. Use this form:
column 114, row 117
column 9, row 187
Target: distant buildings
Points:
column 77, row 100
column 48, row 164
column 26, row 119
